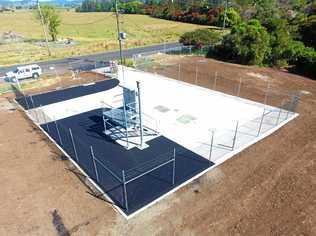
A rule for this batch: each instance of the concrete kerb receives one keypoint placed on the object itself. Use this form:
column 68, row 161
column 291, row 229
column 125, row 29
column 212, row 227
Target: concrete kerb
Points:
column 116, row 208
column 218, row 162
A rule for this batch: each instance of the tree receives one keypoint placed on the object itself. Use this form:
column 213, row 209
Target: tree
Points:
column 232, row 17
column 51, row 19
column 266, row 9
column 133, row 7
column 308, row 31
column 200, row 37
column 304, row 58
column 248, row 43
column 280, row 39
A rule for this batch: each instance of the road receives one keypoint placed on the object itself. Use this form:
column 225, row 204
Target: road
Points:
column 88, row 60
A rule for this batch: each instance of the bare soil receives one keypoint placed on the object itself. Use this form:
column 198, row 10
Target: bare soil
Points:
column 268, row 189
column 64, row 80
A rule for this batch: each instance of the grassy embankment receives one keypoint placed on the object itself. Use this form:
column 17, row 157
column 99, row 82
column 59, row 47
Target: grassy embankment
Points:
column 92, row 32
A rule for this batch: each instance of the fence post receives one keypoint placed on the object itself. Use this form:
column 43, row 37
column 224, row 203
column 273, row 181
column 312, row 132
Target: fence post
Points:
column 73, row 145
column 19, row 85
column 37, row 116
column 287, row 113
column 235, row 135
column 140, row 114
column 27, row 104
column 239, row 87
column 174, row 166
column 266, row 94
column 277, row 122
column 94, row 164
column 215, row 80
column 33, row 106
column 211, row 148
column 104, row 124
column 261, row 121
column 179, row 72
column 125, row 191
column 46, row 122
column 56, row 75
column 43, row 115
column 61, row 142
column 125, row 121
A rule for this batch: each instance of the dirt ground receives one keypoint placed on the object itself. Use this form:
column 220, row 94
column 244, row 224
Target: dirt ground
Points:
column 268, row 189
column 52, row 82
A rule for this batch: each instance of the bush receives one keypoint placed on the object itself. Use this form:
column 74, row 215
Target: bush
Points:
column 304, row 58
column 213, row 15
column 279, row 41
column 133, row 7
column 195, row 15
column 308, row 31
column 232, row 18
column 128, row 62
column 200, row 37
column 247, row 43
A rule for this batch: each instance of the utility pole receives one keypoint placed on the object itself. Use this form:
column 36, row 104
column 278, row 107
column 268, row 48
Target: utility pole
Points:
column 225, row 14
column 43, row 25
column 118, row 31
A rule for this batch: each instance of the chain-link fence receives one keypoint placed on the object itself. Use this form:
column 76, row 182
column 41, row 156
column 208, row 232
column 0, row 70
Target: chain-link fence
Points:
column 113, row 180
column 57, row 76
column 116, row 182
column 278, row 107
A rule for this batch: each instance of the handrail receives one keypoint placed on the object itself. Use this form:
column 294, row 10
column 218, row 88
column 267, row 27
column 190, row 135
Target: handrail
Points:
column 148, row 117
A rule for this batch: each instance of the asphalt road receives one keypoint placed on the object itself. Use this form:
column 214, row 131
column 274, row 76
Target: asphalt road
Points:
column 88, row 60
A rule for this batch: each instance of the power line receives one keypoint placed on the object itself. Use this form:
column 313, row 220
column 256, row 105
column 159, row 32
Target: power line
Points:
column 92, row 22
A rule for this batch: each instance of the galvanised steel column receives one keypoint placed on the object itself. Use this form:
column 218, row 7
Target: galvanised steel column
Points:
column 73, row 145
column 140, row 113
column 125, row 190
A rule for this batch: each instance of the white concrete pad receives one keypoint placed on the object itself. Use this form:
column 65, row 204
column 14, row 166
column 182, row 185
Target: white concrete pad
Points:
column 184, row 113
column 188, row 113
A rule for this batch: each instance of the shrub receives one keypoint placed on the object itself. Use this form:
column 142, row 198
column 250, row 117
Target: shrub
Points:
column 232, row 18
column 304, row 58
column 128, row 62
column 213, row 15
column 133, row 7
column 247, row 43
column 308, row 31
column 279, row 40
column 200, row 37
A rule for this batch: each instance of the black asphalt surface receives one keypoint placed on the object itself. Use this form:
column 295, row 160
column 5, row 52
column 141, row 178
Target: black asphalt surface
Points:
column 88, row 60
column 29, row 102
column 87, row 131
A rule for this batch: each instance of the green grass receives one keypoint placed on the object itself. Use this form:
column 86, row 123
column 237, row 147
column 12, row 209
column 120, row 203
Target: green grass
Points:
column 94, row 32
column 5, row 87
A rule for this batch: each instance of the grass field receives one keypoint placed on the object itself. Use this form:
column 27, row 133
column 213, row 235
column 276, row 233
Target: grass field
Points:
column 92, row 32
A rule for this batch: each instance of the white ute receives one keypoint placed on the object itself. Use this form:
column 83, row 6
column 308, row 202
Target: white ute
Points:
column 24, row 72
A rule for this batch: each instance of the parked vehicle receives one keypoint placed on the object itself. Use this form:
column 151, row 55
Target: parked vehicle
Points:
column 24, row 72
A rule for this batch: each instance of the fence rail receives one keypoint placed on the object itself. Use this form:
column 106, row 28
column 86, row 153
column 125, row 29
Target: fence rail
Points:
column 93, row 164
column 284, row 103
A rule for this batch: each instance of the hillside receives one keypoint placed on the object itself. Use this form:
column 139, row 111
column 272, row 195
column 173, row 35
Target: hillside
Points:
column 89, row 33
